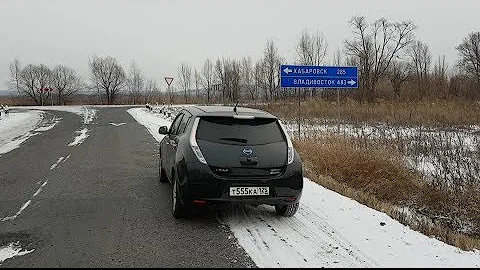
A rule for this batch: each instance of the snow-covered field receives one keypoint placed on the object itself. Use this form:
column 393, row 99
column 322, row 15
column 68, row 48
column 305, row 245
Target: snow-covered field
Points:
column 446, row 155
column 329, row 230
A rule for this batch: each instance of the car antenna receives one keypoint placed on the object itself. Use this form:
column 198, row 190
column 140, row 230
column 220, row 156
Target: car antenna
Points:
column 235, row 108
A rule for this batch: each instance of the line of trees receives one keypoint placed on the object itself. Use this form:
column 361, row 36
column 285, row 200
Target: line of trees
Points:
column 392, row 64
column 31, row 79
column 108, row 80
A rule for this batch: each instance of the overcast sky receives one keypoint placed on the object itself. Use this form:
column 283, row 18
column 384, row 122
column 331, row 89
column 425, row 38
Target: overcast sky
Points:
column 160, row 34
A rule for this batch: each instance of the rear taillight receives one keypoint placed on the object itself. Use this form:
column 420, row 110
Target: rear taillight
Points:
column 290, row 153
column 193, row 142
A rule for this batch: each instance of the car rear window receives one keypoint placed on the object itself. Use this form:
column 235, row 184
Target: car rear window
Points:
column 229, row 130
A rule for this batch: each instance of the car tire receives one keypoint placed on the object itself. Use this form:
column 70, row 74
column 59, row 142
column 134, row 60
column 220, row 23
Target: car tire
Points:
column 178, row 208
column 287, row 210
column 162, row 177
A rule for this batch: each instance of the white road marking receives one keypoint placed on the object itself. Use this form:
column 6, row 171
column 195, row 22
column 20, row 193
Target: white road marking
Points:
column 56, row 163
column 26, row 204
column 18, row 213
column 40, row 188
column 117, row 125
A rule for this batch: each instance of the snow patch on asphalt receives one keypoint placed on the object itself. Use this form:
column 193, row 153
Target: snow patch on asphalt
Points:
column 12, row 250
column 82, row 135
column 86, row 112
column 49, row 125
column 88, row 115
column 17, row 127
column 329, row 230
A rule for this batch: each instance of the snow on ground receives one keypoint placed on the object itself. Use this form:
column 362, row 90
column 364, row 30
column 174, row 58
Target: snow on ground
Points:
column 446, row 154
column 17, row 127
column 152, row 121
column 87, row 112
column 11, row 250
column 49, row 125
column 329, row 230
column 82, row 135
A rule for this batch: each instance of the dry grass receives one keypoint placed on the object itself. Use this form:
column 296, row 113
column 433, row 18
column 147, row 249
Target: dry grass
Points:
column 379, row 179
column 428, row 113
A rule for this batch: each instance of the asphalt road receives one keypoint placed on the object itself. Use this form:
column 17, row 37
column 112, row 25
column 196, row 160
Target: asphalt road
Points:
column 103, row 205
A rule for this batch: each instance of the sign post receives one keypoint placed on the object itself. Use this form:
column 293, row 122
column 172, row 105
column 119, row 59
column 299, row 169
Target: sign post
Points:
column 169, row 81
column 295, row 76
column 51, row 94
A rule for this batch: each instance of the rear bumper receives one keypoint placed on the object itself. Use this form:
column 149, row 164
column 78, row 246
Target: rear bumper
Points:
column 200, row 183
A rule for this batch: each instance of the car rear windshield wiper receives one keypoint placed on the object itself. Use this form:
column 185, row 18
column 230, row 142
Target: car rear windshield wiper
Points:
column 234, row 139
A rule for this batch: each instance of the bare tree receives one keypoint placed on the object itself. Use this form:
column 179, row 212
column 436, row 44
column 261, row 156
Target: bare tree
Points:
column 337, row 57
column 43, row 80
column 271, row 62
column 185, row 79
column 398, row 74
column 198, row 82
column 135, row 83
column 15, row 69
column 151, row 89
column 376, row 46
column 440, row 75
column 421, row 60
column 232, row 79
column 260, row 78
column 440, row 68
column 220, row 76
column 311, row 48
column 108, row 76
column 66, row 82
column 469, row 51
column 247, row 77
column 27, row 83
column 208, row 77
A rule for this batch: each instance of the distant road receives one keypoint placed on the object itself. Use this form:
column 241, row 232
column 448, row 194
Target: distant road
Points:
column 98, row 203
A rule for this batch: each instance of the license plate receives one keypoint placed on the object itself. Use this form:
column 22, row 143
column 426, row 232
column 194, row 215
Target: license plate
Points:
column 249, row 191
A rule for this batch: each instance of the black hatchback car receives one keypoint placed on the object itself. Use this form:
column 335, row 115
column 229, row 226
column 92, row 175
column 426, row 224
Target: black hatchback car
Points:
column 229, row 154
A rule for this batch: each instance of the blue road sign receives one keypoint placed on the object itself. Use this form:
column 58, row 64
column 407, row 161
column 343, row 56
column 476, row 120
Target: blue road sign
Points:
column 318, row 76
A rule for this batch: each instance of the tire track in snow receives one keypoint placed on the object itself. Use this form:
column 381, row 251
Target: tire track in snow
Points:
column 304, row 240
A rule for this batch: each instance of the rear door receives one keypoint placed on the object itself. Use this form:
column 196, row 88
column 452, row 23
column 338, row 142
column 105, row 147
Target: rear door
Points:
column 242, row 147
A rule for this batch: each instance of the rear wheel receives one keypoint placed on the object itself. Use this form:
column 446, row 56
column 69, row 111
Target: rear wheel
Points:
column 162, row 177
column 287, row 210
column 178, row 208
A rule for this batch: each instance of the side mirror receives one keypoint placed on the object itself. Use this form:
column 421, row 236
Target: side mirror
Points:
column 163, row 130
